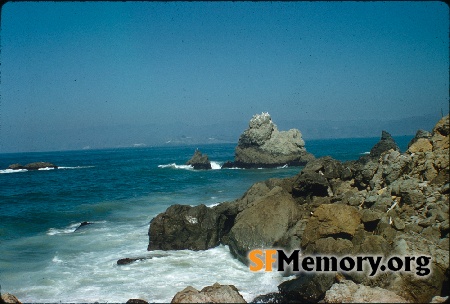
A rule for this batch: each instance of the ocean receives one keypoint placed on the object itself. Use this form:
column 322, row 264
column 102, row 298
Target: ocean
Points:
column 43, row 258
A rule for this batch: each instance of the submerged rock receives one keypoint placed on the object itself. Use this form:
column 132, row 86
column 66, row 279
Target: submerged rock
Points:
column 83, row 224
column 199, row 161
column 210, row 294
column 262, row 145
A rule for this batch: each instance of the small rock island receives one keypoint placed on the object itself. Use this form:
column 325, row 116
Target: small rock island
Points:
column 32, row 166
column 263, row 146
column 199, row 161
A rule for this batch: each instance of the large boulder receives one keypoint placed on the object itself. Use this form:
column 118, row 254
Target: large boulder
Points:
column 386, row 143
column 262, row 145
column 210, row 294
column 185, row 227
column 262, row 224
column 306, row 288
column 331, row 220
column 199, row 161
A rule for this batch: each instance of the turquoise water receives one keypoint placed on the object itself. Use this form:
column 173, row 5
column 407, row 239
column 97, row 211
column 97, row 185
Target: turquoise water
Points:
column 43, row 258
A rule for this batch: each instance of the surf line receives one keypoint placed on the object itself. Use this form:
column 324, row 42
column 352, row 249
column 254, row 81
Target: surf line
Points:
column 266, row 258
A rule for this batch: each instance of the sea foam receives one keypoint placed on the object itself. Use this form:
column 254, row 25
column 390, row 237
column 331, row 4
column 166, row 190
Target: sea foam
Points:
column 175, row 166
column 12, row 171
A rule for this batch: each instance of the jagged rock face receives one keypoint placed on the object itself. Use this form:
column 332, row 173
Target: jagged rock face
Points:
column 210, row 294
column 386, row 143
column 199, row 161
column 262, row 145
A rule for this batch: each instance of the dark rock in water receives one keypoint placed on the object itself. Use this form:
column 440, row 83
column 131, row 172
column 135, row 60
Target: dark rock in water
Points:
column 199, row 161
column 262, row 145
column 16, row 167
column 186, row 227
column 127, row 261
column 307, row 288
column 386, row 143
column 136, row 301
column 228, row 164
column 83, row 224
column 273, row 297
column 33, row 166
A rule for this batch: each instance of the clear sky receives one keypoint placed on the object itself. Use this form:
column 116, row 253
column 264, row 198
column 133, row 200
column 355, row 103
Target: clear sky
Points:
column 73, row 73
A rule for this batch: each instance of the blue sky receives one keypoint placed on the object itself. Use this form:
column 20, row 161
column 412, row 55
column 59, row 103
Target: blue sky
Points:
column 75, row 68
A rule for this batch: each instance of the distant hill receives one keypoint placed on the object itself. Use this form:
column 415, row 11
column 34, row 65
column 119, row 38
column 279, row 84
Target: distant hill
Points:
column 196, row 133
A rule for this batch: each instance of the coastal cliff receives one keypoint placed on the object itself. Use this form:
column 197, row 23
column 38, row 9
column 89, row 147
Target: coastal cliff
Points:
column 387, row 203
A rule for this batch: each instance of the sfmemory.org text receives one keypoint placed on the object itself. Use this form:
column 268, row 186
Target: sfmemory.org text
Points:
column 277, row 259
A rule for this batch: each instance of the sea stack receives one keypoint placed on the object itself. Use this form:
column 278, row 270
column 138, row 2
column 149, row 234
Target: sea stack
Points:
column 263, row 146
column 386, row 143
column 199, row 161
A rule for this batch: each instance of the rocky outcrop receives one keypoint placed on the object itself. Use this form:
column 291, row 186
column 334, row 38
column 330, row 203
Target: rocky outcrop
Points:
column 210, row 294
column 33, row 166
column 386, row 143
column 262, row 145
column 349, row 292
column 186, row 227
column 263, row 224
column 391, row 204
column 199, row 161
column 7, row 298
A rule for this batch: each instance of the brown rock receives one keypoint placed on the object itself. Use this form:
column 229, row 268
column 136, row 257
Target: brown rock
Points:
column 8, row 298
column 349, row 292
column 210, row 294
column 421, row 145
column 333, row 220
column 263, row 224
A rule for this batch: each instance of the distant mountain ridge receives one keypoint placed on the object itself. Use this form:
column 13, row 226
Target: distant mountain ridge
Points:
column 194, row 133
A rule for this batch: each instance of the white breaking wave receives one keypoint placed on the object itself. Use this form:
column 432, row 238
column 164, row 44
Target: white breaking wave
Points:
column 77, row 167
column 283, row 167
column 69, row 229
column 46, row 169
column 12, row 171
column 175, row 166
column 365, row 153
column 215, row 165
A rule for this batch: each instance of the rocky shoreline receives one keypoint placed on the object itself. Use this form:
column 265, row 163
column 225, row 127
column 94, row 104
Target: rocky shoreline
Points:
column 387, row 203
